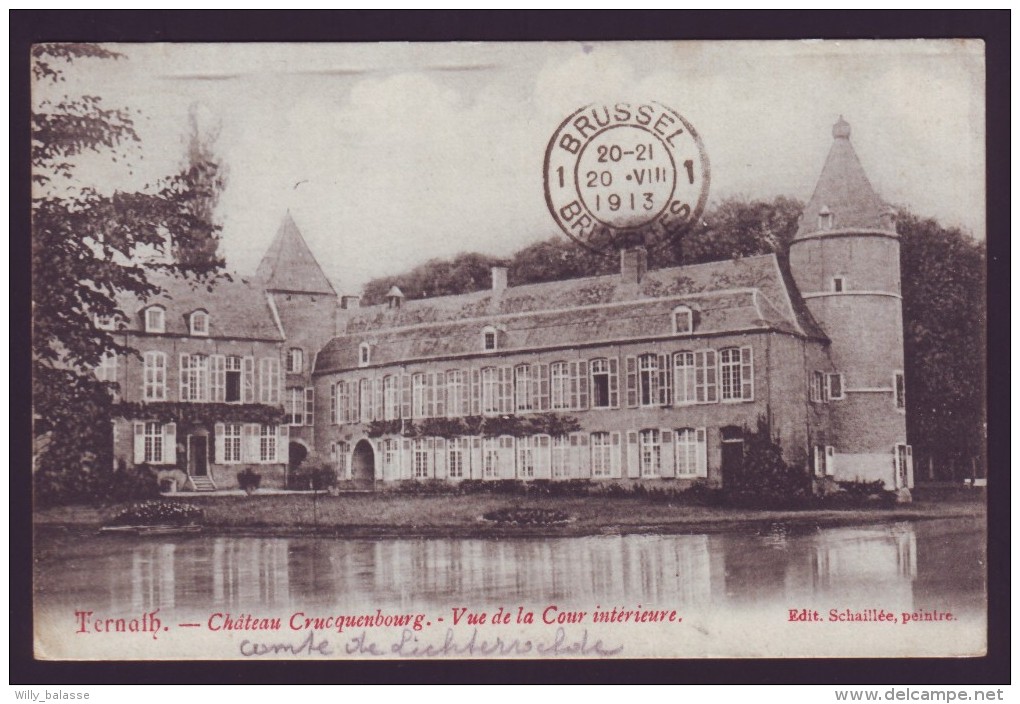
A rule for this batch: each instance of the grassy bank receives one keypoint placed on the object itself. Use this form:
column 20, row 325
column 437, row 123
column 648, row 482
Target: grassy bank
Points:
column 394, row 515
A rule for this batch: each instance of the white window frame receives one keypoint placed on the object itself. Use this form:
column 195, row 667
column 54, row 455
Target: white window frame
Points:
column 526, row 457
column 490, row 339
column 268, row 439
column 490, row 458
column 106, row 370
column 232, row 442
column 155, row 443
column 524, row 401
column 731, row 371
column 343, row 402
column 559, row 386
column 650, row 452
column 420, row 458
column 194, row 381
column 687, row 451
column 559, row 457
column 154, row 376
column 687, row 315
column 198, row 322
column 391, row 397
column 364, row 354
column 648, row 380
column 456, row 453
column 601, row 455
column 457, row 393
column 233, row 364
column 155, row 324
column 826, row 219
column 685, row 390
column 295, row 360
column 419, row 395
column 817, row 391
column 602, row 366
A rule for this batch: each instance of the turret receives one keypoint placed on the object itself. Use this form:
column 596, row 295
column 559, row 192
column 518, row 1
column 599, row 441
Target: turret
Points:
column 845, row 260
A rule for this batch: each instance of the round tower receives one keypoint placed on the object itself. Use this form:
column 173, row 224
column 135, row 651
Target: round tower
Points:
column 845, row 260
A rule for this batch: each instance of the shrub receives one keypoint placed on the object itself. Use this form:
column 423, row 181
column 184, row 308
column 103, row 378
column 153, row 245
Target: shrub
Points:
column 88, row 483
column 527, row 516
column 159, row 513
column 427, row 487
column 765, row 480
column 249, row 480
column 313, row 474
column 859, row 493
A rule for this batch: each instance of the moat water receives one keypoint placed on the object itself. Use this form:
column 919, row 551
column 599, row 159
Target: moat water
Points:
column 932, row 567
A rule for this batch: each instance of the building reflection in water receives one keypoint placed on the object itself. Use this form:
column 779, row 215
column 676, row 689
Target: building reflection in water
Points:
column 842, row 566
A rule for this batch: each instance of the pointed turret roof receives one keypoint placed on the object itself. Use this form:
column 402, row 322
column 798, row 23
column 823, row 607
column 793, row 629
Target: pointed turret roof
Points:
column 290, row 266
column 844, row 192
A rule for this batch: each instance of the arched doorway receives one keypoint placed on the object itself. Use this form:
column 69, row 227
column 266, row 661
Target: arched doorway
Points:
column 732, row 464
column 363, row 463
column 296, row 454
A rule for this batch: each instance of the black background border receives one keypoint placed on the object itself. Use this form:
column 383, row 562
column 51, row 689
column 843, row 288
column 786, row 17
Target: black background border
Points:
column 27, row 27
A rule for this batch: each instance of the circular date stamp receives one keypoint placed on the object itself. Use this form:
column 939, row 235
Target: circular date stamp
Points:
column 625, row 174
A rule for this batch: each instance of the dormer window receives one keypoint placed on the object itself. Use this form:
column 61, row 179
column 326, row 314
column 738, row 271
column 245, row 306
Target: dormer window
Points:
column 199, row 323
column 364, row 354
column 106, row 322
column 295, row 360
column 825, row 218
column 838, row 284
column 489, row 339
column 683, row 320
column 155, row 319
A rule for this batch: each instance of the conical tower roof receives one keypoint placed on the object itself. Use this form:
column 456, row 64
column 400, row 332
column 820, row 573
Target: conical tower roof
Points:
column 290, row 266
column 843, row 193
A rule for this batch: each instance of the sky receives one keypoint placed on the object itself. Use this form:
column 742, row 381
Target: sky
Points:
column 387, row 155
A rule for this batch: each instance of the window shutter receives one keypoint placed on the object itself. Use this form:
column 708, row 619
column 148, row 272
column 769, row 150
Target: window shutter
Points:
column 332, row 404
column 746, row 374
column 668, row 450
column 614, row 383
column 217, row 378
column 170, row 444
column 830, row 457
column 405, row 395
column 378, row 413
column 218, row 443
column 614, row 455
column 665, row 381
column 139, row 443
column 506, row 390
column 543, row 461
column 633, row 468
column 430, row 395
column 506, row 453
column 541, row 386
column 309, row 406
column 440, row 395
column 702, row 452
column 632, row 395
column 711, row 390
column 250, row 443
column 440, row 468
column 407, row 460
column 249, row 380
column 282, row 443
column 474, row 470
column 185, row 377
column 582, row 384
column 476, row 392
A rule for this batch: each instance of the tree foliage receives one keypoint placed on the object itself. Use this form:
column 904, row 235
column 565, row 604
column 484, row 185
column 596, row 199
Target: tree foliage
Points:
column 88, row 246
column 944, row 320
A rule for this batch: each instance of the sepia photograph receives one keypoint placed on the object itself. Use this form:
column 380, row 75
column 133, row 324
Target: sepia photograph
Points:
column 509, row 350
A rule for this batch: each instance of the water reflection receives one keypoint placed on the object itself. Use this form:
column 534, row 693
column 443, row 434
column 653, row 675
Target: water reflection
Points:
column 848, row 567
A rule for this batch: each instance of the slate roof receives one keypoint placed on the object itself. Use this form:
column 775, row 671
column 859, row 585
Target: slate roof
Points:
column 237, row 308
column 290, row 266
column 743, row 294
column 843, row 188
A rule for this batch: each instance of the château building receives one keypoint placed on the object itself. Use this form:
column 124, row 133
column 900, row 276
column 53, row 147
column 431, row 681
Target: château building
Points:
column 644, row 375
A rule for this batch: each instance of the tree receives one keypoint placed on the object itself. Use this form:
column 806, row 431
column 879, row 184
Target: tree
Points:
column 87, row 247
column 944, row 320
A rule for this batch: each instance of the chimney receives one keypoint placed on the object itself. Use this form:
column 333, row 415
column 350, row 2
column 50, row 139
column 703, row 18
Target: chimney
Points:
column 350, row 302
column 499, row 274
column 633, row 264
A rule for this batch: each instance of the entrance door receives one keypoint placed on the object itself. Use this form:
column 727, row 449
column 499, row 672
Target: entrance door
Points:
column 732, row 452
column 363, row 463
column 198, row 455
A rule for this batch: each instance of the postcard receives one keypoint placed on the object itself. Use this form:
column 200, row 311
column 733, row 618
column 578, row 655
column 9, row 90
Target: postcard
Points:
column 566, row 350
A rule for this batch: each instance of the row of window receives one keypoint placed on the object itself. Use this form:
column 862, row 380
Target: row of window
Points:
column 681, row 378
column 683, row 320
column 824, row 387
column 154, row 319
column 651, row 453
column 250, row 443
column 206, row 378
column 299, row 406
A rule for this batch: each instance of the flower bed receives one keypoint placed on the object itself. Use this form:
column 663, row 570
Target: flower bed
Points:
column 159, row 513
column 527, row 516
